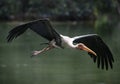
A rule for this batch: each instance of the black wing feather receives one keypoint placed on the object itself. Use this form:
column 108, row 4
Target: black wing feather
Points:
column 104, row 56
column 41, row 27
column 16, row 32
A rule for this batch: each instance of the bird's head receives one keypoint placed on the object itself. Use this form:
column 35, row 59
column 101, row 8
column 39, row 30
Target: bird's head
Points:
column 82, row 46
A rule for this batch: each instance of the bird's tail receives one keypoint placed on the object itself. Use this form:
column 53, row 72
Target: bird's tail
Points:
column 14, row 33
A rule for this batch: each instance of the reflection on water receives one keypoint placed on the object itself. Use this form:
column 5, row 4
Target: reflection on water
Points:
column 56, row 66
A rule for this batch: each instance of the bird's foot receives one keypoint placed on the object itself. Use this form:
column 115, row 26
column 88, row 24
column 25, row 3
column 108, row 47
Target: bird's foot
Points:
column 41, row 51
column 35, row 53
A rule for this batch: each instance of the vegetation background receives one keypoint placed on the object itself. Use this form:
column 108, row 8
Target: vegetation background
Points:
column 60, row 10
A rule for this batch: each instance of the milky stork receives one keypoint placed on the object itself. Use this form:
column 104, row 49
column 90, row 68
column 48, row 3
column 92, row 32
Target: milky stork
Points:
column 90, row 43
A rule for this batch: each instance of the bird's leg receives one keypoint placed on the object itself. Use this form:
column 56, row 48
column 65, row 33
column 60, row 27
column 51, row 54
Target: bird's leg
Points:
column 43, row 50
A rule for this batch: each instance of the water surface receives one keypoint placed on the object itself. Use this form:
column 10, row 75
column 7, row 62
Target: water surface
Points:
column 58, row 66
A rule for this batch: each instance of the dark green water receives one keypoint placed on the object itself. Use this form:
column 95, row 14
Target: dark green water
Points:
column 58, row 66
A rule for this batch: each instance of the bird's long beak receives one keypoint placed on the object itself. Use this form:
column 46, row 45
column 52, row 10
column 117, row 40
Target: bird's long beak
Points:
column 81, row 46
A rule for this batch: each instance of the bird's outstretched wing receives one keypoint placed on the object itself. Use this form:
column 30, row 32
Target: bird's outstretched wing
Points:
column 104, row 56
column 41, row 27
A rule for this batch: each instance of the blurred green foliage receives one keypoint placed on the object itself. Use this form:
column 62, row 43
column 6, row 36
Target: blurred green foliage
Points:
column 21, row 9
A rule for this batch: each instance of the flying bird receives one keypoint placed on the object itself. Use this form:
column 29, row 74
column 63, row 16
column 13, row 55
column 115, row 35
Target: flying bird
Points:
column 91, row 43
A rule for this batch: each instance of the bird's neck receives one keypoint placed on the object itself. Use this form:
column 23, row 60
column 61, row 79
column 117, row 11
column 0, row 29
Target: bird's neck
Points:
column 67, row 41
